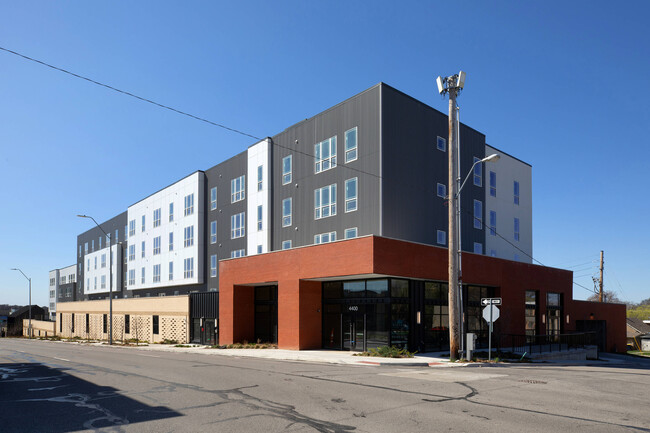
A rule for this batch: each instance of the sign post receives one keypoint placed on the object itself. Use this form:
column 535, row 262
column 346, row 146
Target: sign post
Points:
column 490, row 314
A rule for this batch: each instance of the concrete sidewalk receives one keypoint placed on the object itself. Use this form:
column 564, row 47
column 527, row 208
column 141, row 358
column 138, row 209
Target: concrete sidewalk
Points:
column 321, row 356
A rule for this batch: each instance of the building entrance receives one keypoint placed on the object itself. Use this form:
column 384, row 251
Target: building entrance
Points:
column 266, row 314
column 354, row 331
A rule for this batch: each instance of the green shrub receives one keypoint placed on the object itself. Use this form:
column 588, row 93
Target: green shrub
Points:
column 387, row 352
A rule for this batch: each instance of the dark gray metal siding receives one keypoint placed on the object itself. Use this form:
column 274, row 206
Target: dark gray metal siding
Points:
column 361, row 111
column 220, row 176
column 204, row 305
column 413, row 166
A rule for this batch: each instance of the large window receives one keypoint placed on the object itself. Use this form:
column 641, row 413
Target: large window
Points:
column 213, row 232
column 238, row 253
column 531, row 313
column 131, row 253
column 238, row 189
column 351, row 233
column 188, row 238
column 516, row 192
column 131, row 231
column 156, row 217
column 103, row 282
column 131, row 277
column 493, row 223
column 516, row 229
column 213, row 198
column 260, row 177
column 493, row 184
column 286, row 212
column 478, row 214
column 213, row 265
column 351, row 195
column 286, row 169
column 351, row 145
column 188, row 268
column 156, row 273
column 189, row 205
column 325, row 155
column 478, row 172
column 238, row 225
column 325, row 201
column 441, row 144
column 324, row 238
column 103, row 262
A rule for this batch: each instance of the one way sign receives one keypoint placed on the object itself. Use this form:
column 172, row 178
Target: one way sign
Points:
column 491, row 301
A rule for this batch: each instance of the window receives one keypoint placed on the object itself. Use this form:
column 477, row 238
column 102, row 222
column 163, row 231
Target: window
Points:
column 188, row 239
column 478, row 173
column 325, row 201
column 516, row 229
column 143, row 223
column 478, row 214
column 189, row 205
column 441, row 144
column 238, row 189
column 441, row 237
column 143, row 248
column 79, row 250
column 72, row 320
column 132, row 228
column 325, row 155
column 171, row 271
column 238, row 253
column 142, row 275
column 92, row 245
column 103, row 260
column 442, row 190
column 351, row 233
column 260, row 177
column 260, row 212
column 324, row 238
column 259, row 249
column 171, row 241
column 131, row 277
column 516, row 191
column 100, row 242
column 188, row 268
column 95, row 286
column 171, row 212
column 351, row 195
column 286, row 170
column 131, row 253
column 117, row 236
column 127, row 323
column 86, row 248
column 213, row 265
column 286, row 245
column 95, row 262
column 478, row 248
column 156, row 217
column 213, row 232
column 493, row 223
column 493, row 184
column 237, row 225
column 156, row 273
column 493, row 253
column 155, row 325
column 103, row 282
column 286, row 212
column 105, row 323
column 156, row 245
column 213, row 198
column 351, row 145
column 126, row 233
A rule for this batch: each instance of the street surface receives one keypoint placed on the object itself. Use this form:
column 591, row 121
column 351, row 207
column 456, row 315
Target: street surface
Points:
column 66, row 387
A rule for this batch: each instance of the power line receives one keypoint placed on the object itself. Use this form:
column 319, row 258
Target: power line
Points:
column 131, row 94
column 586, row 288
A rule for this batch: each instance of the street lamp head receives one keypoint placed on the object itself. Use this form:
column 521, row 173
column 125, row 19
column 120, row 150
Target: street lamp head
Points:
column 492, row 158
column 83, row 216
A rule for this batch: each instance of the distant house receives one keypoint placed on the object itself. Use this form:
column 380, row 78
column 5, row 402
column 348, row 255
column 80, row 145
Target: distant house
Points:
column 636, row 329
column 15, row 320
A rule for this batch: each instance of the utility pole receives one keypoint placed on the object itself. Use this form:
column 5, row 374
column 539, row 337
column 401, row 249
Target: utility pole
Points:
column 600, row 283
column 453, row 85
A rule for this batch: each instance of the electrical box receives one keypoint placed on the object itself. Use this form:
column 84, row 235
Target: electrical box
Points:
column 470, row 345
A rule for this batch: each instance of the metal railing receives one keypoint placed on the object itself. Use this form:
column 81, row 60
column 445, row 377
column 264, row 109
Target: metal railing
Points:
column 543, row 343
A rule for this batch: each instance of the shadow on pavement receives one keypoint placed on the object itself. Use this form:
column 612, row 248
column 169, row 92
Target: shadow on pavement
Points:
column 38, row 398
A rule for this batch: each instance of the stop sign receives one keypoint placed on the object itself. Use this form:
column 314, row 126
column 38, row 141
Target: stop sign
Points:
column 495, row 313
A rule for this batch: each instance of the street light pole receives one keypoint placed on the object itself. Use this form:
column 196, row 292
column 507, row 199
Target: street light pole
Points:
column 29, row 328
column 110, row 280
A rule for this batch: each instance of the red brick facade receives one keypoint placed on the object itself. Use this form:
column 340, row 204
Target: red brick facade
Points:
column 295, row 272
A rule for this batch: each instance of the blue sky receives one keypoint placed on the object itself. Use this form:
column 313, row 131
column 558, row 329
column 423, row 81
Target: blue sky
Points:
column 562, row 85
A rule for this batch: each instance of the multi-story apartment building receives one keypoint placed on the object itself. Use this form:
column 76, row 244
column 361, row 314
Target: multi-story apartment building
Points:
column 62, row 287
column 375, row 164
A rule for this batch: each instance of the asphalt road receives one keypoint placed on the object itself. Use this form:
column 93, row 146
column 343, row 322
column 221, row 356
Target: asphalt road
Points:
column 64, row 387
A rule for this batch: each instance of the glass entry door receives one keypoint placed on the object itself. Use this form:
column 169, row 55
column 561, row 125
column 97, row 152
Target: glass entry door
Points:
column 353, row 327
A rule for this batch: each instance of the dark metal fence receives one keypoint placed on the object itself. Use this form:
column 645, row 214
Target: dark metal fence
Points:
column 543, row 343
